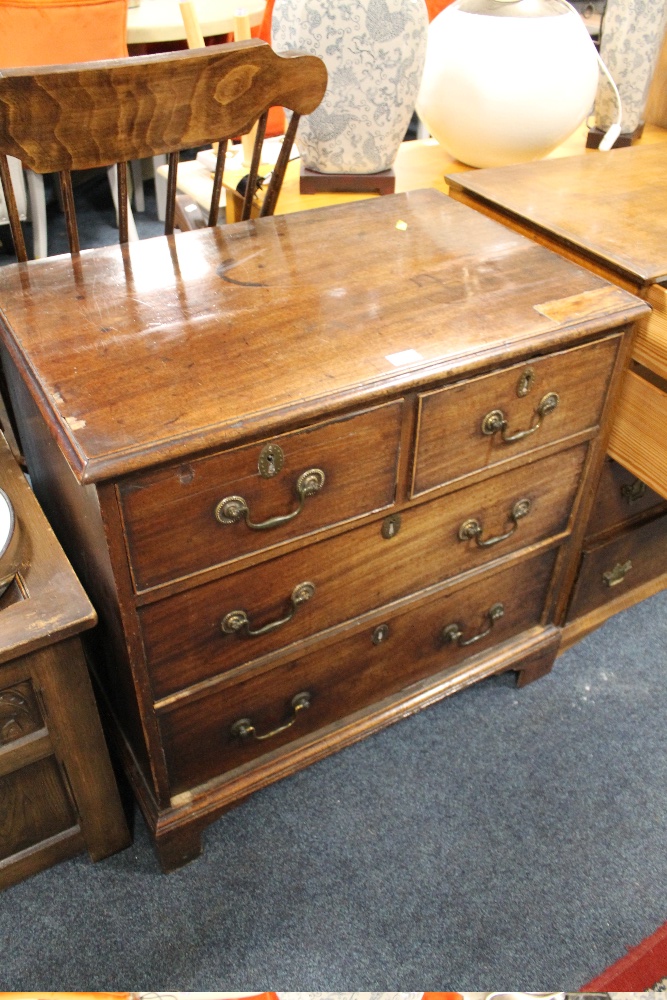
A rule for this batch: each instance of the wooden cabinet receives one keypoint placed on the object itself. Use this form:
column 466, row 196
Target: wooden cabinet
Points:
column 317, row 472
column 57, row 788
column 607, row 213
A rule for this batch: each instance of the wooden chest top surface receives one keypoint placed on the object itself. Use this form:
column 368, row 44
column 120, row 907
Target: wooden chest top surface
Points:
column 172, row 346
column 611, row 206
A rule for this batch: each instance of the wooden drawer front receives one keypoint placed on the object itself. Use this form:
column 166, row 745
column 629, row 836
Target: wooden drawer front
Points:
column 650, row 343
column 451, row 442
column 35, row 806
column 170, row 518
column 620, row 496
column 353, row 573
column 608, row 571
column 350, row 674
column 638, row 439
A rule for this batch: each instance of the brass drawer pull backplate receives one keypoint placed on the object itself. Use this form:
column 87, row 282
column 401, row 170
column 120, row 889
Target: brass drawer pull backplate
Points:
column 473, row 529
column 496, row 421
column 244, row 729
column 454, row 633
column 617, row 575
column 232, row 509
column 239, row 623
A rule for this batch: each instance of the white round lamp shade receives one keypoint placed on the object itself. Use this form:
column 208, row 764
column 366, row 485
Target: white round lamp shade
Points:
column 506, row 87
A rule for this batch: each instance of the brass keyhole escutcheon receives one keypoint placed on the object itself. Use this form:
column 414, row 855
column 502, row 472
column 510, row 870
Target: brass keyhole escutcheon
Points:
column 380, row 635
column 391, row 526
column 526, row 382
column 271, row 460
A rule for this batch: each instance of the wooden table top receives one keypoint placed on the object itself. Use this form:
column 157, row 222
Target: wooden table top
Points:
column 611, row 206
column 174, row 345
column 161, row 20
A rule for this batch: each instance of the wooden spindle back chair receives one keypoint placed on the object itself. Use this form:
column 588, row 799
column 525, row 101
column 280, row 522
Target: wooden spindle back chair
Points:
column 85, row 115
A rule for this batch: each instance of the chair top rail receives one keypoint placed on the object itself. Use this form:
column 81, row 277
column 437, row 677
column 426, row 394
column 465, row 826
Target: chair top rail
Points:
column 86, row 115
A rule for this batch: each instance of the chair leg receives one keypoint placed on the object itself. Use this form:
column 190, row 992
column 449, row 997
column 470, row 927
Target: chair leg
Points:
column 37, row 200
column 138, row 186
column 160, row 187
column 113, row 184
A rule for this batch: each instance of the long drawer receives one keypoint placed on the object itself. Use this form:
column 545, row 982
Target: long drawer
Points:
column 607, row 571
column 476, row 424
column 208, row 629
column 212, row 734
column 187, row 517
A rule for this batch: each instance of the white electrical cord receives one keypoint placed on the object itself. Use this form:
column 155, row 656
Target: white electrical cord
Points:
column 613, row 132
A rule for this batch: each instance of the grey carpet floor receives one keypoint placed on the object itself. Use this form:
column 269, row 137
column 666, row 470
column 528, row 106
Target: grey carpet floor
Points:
column 501, row 839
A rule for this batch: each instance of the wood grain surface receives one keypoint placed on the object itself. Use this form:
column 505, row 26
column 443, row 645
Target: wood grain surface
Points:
column 612, row 207
column 146, row 353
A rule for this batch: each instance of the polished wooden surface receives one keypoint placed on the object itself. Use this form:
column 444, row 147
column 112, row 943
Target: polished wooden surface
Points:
column 57, row 788
column 610, row 206
column 348, row 676
column 148, row 380
column 161, row 20
column 119, row 380
column 182, row 635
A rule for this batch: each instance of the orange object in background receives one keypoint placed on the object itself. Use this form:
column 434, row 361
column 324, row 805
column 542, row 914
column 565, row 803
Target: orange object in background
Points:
column 276, row 120
column 434, row 7
column 38, row 995
column 52, row 32
column 442, row 996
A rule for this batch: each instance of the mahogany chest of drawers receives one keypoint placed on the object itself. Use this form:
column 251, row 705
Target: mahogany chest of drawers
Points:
column 316, row 471
column 58, row 795
column 609, row 213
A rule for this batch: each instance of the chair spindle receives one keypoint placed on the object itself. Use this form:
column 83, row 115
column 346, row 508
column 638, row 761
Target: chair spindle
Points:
column 171, row 192
column 214, row 207
column 65, row 179
column 251, row 186
column 12, row 210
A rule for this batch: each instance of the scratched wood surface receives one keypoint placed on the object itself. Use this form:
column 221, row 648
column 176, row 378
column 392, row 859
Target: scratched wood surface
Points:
column 612, row 207
column 173, row 345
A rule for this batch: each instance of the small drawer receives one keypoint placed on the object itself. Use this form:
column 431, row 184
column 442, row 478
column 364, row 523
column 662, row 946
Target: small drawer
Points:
column 607, row 571
column 476, row 424
column 638, row 439
column 619, row 498
column 203, row 737
column 178, row 523
column 192, row 636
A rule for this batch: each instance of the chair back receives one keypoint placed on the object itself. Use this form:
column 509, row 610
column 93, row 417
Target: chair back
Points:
column 76, row 117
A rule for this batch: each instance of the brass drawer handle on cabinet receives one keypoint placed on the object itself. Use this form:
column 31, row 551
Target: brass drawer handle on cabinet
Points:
column 453, row 632
column 473, row 529
column 232, row 509
column 495, row 420
column 238, row 621
column 244, row 729
column 616, row 575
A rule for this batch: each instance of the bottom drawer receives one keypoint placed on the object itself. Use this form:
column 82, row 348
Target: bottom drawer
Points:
column 630, row 560
column 241, row 721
